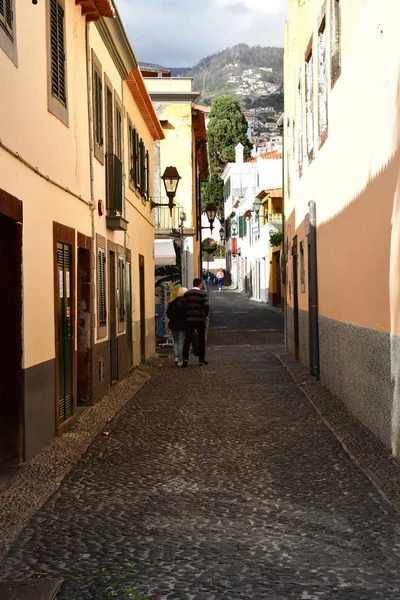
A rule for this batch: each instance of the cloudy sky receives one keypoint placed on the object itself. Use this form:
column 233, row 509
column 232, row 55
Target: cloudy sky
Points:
column 178, row 33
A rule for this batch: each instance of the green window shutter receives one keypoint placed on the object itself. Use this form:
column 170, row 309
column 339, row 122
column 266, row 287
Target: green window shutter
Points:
column 98, row 108
column 241, row 226
column 57, row 50
column 101, row 274
column 244, row 226
column 121, row 289
column 6, row 16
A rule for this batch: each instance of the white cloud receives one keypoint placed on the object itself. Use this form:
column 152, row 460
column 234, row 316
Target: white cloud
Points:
column 178, row 33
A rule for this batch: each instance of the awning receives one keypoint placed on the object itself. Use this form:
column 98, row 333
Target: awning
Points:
column 164, row 252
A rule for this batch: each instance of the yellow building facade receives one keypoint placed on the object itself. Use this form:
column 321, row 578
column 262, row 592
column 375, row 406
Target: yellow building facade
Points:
column 76, row 233
column 342, row 65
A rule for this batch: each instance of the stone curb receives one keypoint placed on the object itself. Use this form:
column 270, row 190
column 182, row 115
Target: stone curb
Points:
column 371, row 456
column 36, row 481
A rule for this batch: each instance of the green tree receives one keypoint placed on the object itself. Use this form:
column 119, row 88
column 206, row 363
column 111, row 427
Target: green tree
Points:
column 227, row 127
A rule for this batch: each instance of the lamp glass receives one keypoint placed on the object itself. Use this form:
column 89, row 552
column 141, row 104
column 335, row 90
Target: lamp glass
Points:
column 257, row 204
column 211, row 211
column 171, row 179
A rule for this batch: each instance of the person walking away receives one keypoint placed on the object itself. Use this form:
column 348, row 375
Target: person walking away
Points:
column 204, row 280
column 196, row 309
column 176, row 316
column 220, row 278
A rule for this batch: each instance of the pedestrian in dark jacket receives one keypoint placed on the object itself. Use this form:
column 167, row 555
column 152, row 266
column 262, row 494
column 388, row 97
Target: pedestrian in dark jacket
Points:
column 196, row 309
column 176, row 316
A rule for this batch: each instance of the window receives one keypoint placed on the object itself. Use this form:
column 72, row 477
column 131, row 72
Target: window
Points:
column 98, row 111
column 302, row 269
column 57, row 61
column 7, row 29
column 322, row 84
column 6, row 17
column 309, row 105
column 57, row 40
column 227, row 188
column 118, row 132
column 300, row 127
column 121, row 289
column 336, row 34
column 139, row 164
column 101, row 286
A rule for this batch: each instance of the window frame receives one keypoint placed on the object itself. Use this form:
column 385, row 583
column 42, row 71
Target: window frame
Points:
column 322, row 96
column 335, row 40
column 8, row 42
column 55, row 106
column 98, row 70
column 309, row 99
column 121, row 297
column 101, row 325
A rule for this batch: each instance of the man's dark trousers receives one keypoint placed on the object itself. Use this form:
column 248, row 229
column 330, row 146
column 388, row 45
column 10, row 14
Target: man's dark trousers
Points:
column 191, row 327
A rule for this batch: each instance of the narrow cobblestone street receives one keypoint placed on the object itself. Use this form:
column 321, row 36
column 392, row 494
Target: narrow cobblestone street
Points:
column 216, row 483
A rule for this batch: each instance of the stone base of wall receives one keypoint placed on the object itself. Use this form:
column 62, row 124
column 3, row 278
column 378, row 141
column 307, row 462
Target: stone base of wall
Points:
column 101, row 370
column 40, row 409
column 355, row 365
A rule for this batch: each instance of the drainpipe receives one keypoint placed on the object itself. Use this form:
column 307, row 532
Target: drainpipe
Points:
column 92, row 208
column 313, row 298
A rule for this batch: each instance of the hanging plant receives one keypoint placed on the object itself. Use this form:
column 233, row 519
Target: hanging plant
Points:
column 275, row 238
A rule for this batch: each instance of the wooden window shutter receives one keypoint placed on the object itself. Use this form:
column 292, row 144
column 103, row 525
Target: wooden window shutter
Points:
column 98, row 108
column 101, row 273
column 57, row 50
column 118, row 132
column 121, row 289
column 142, row 167
column 137, row 160
column 241, row 226
column 147, row 175
column 6, row 16
column 131, row 156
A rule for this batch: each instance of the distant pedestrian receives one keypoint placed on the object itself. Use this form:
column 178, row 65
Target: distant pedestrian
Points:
column 205, row 279
column 196, row 310
column 220, row 278
column 176, row 316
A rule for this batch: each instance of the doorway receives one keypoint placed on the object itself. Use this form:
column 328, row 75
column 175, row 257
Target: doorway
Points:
column 65, row 331
column 83, row 321
column 295, row 298
column 11, row 389
column 277, row 259
column 142, row 309
column 129, row 332
column 113, row 320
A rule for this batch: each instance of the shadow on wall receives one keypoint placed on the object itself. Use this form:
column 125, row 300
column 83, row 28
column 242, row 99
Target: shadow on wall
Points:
column 394, row 284
column 359, row 300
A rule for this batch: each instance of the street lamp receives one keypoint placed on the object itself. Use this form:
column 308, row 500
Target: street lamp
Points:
column 234, row 227
column 257, row 206
column 211, row 211
column 171, row 179
column 222, row 234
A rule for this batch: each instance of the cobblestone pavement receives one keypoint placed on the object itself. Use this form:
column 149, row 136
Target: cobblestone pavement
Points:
column 216, row 482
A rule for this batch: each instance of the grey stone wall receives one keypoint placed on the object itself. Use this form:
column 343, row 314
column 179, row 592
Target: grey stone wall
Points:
column 304, row 338
column 40, row 410
column 355, row 366
column 290, row 330
column 101, row 370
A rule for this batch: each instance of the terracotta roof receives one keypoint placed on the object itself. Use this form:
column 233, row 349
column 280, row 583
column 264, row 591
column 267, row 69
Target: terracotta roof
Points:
column 272, row 193
column 265, row 155
column 93, row 10
column 141, row 96
column 204, row 109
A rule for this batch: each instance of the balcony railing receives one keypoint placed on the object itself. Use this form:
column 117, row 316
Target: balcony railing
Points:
column 163, row 218
column 274, row 217
column 114, row 193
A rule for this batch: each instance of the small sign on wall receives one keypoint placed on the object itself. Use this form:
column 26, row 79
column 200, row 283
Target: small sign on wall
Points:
column 68, row 312
column 67, row 284
column 61, row 284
